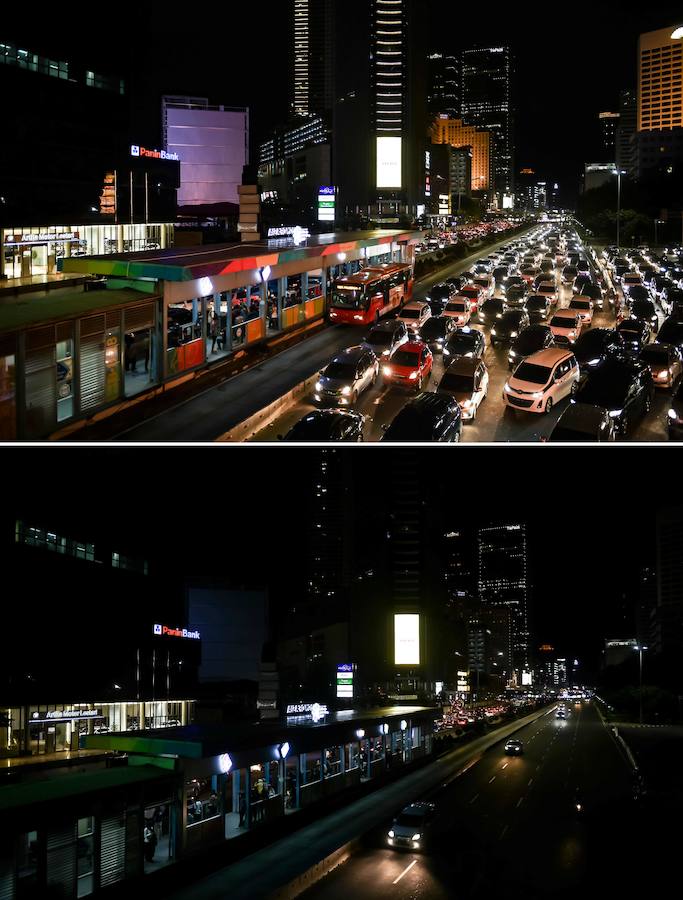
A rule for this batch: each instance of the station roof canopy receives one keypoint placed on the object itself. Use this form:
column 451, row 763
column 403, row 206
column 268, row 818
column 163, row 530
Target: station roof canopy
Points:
column 192, row 263
column 201, row 741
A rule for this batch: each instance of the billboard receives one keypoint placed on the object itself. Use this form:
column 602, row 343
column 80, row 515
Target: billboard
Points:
column 527, row 678
column 345, row 680
column 389, row 156
column 326, row 204
column 407, row 639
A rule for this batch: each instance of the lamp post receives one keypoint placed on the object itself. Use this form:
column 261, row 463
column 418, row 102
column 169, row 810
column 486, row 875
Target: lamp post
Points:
column 640, row 648
column 619, row 173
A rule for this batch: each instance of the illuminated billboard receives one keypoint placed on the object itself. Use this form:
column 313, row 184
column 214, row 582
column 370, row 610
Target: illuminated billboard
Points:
column 389, row 155
column 345, row 680
column 527, row 678
column 406, row 640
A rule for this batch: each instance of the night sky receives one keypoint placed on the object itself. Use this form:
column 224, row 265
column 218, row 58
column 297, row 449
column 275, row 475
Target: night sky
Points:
column 240, row 512
column 572, row 60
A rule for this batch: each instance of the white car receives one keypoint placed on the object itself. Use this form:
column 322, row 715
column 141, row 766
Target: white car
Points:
column 542, row 380
column 566, row 325
column 410, row 828
column 486, row 284
column 459, row 309
column 414, row 315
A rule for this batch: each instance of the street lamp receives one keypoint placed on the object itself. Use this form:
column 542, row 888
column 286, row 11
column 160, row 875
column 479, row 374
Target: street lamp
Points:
column 640, row 648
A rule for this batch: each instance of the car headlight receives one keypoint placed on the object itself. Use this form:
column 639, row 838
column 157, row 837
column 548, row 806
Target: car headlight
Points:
column 391, row 834
column 672, row 415
column 416, row 837
column 345, row 391
column 446, row 352
column 467, row 404
column 615, row 413
column 493, row 332
column 387, row 370
column 593, row 362
column 413, row 376
column 513, row 334
column 508, row 389
column 319, row 386
column 513, row 354
column 358, row 318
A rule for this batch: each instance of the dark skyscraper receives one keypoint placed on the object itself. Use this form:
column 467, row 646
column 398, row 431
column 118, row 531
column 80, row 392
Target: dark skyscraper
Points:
column 487, row 103
column 312, row 88
column 626, row 132
column 503, row 581
column 443, row 85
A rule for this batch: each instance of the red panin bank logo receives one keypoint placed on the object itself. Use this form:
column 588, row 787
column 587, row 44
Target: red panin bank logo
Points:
column 136, row 150
column 165, row 631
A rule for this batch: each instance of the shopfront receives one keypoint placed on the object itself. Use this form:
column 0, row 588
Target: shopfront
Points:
column 36, row 251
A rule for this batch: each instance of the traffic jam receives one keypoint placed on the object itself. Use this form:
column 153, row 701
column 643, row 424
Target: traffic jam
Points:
column 545, row 339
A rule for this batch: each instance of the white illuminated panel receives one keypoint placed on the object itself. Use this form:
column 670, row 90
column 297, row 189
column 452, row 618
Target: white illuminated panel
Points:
column 406, row 640
column 389, row 156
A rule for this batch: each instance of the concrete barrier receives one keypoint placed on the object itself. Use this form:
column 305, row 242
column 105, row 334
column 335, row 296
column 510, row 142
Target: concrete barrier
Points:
column 316, row 873
column 263, row 417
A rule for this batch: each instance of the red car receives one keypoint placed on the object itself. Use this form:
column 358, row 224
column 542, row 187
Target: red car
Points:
column 410, row 365
column 475, row 295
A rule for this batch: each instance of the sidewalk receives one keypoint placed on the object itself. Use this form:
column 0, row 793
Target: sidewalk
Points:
column 264, row 872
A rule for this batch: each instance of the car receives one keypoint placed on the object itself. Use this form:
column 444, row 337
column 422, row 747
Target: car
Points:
column 515, row 296
column 428, row 418
column 347, row 376
column 411, row 827
column 665, row 362
column 671, row 331
column 439, row 295
column 635, row 334
column 584, row 307
column 465, row 342
column 581, row 423
column 410, row 365
column 530, row 340
column 323, row 425
column 637, row 292
column 621, row 386
column 537, row 307
column 483, row 267
column 460, row 310
column 414, row 315
column 486, row 284
column 542, row 380
column 569, row 273
column 515, row 281
column 561, row 714
column 492, row 310
column 458, row 282
column 566, row 326
column 513, row 747
column 501, row 274
column 646, row 311
column 475, row 295
column 508, row 327
column 436, row 331
column 630, row 280
column 467, row 381
column 530, row 273
column 674, row 417
column 580, row 282
column 594, row 292
column 593, row 347
column 384, row 338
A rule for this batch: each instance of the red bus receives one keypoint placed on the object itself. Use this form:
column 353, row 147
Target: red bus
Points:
column 362, row 298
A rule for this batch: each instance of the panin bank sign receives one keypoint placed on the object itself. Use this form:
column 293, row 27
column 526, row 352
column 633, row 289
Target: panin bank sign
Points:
column 137, row 150
column 165, row 631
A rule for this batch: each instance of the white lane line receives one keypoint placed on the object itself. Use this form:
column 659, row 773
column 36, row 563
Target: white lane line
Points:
column 405, row 872
column 474, row 798
column 505, row 765
column 530, row 782
column 520, row 801
column 492, row 780
column 502, row 834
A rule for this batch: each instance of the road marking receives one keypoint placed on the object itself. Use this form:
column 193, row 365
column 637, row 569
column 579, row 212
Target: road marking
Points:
column 520, row 801
column 474, row 798
column 492, row 780
column 505, row 765
column 502, row 834
column 530, row 782
column 538, row 767
column 405, row 871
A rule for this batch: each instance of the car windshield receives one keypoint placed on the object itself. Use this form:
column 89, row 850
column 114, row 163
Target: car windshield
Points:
column 470, row 292
column 643, row 308
column 671, row 333
column 516, row 292
column 580, row 304
column 405, row 358
column 410, row 425
column 440, row 292
column 456, row 306
column 410, row 313
column 655, row 354
column 434, row 327
column 379, row 338
column 415, row 820
column 570, row 435
column 492, row 306
column 340, row 371
column 482, row 282
column 608, row 391
column 457, row 384
column 562, row 322
column 462, row 344
column 312, row 428
column 529, row 341
column 532, row 373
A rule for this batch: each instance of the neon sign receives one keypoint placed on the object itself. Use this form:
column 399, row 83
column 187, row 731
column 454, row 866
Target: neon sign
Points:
column 165, row 631
column 137, row 150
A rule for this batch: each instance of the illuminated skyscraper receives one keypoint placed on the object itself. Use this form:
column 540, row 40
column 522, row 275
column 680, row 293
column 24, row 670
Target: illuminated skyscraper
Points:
column 487, row 103
column 503, row 581
column 443, row 85
column 659, row 143
column 313, row 57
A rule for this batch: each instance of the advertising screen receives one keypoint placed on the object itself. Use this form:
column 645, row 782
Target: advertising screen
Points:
column 406, row 640
column 389, row 154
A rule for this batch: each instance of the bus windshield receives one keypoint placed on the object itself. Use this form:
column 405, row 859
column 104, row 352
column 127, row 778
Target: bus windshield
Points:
column 349, row 298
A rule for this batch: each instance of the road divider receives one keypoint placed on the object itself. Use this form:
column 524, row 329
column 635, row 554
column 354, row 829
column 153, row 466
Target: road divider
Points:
column 316, row 873
column 265, row 416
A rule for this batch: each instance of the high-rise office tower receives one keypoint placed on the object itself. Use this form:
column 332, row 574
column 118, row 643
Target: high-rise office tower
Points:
column 487, row 103
column 503, row 581
column 660, row 101
column 609, row 122
column 459, row 134
column 626, row 131
column 669, row 612
column 443, row 85
column 313, row 50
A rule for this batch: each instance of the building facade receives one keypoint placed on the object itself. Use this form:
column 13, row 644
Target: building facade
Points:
column 443, row 85
column 627, row 130
column 458, row 134
column 312, row 57
column 660, row 101
column 487, row 103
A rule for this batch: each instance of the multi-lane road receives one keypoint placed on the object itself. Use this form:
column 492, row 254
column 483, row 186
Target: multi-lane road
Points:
column 508, row 827
column 495, row 422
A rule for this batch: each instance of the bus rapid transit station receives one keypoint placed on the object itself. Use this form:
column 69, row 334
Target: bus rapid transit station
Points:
column 173, row 793
column 149, row 321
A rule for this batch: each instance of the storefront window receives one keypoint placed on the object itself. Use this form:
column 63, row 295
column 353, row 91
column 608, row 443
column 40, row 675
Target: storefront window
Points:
column 86, row 856
column 203, row 800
